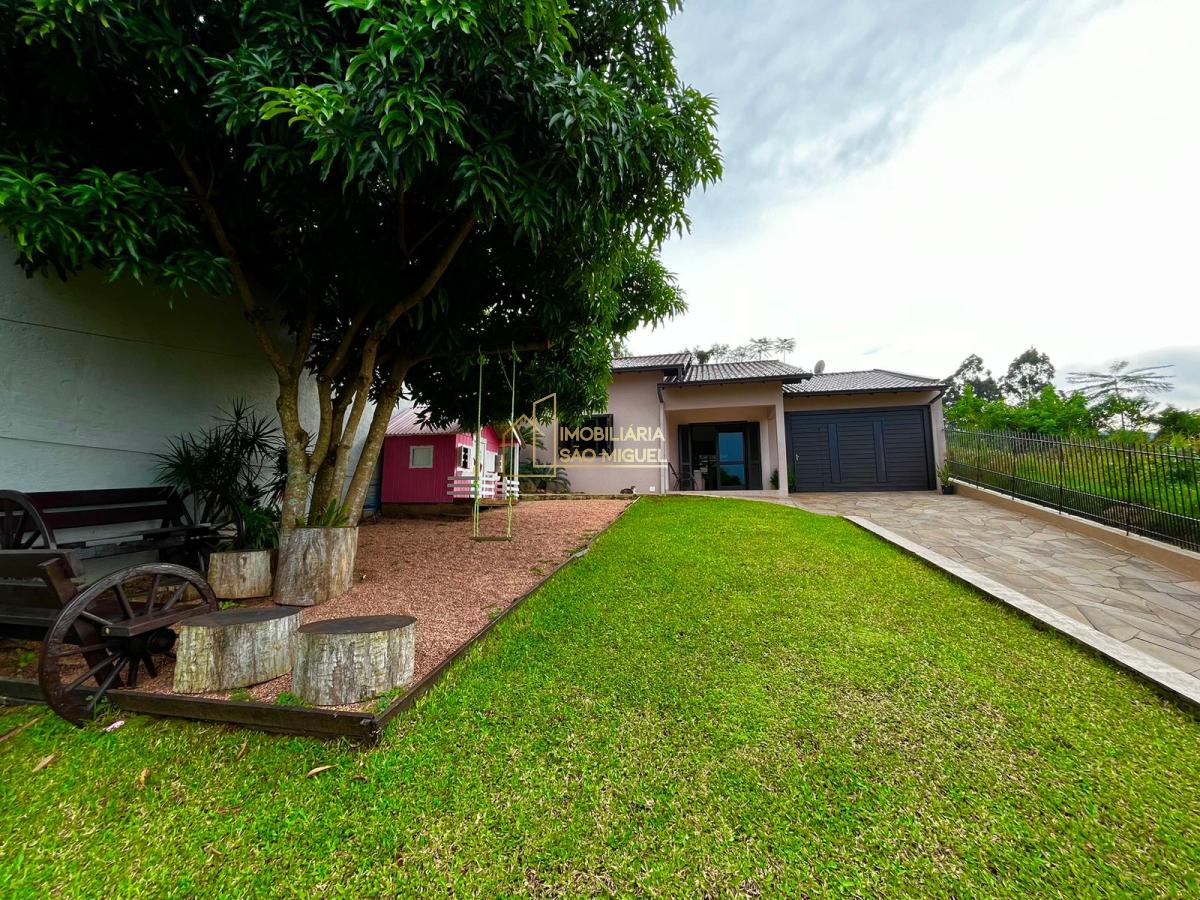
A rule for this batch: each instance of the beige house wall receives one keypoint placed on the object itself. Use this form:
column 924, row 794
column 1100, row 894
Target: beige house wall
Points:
column 633, row 401
column 752, row 402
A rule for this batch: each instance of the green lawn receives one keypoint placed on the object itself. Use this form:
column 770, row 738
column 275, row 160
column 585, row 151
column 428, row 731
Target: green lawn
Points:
column 724, row 697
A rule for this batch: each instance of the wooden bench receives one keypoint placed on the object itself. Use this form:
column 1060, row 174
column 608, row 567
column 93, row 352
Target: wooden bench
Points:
column 103, row 633
column 149, row 519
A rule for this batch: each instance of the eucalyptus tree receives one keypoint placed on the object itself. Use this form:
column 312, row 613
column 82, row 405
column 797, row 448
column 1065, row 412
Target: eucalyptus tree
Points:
column 972, row 372
column 401, row 185
column 1027, row 375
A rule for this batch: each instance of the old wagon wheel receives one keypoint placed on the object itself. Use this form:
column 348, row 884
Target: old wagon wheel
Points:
column 222, row 515
column 112, row 630
column 21, row 525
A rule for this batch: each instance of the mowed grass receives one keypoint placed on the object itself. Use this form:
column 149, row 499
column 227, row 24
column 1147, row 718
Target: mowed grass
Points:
column 723, row 697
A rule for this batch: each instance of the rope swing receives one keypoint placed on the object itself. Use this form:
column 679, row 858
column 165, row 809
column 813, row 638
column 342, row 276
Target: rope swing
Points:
column 509, row 495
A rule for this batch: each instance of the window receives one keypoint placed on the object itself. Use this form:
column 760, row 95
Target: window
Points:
column 594, row 434
column 420, row 457
column 464, row 456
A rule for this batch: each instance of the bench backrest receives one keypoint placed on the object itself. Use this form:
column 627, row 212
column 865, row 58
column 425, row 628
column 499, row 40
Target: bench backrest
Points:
column 62, row 510
column 38, row 578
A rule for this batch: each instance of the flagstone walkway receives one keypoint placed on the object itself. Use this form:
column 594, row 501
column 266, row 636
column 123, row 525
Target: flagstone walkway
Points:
column 1145, row 605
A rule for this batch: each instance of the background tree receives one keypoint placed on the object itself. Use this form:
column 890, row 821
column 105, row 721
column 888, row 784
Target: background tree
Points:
column 1177, row 423
column 1027, row 375
column 403, row 186
column 972, row 372
column 1118, row 380
column 754, row 349
column 1046, row 412
column 1121, row 394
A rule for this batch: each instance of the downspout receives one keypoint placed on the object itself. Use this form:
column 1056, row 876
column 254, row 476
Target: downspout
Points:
column 662, row 445
column 935, row 437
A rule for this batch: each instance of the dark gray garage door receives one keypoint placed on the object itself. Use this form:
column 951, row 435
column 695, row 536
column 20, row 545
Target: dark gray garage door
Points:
column 863, row 450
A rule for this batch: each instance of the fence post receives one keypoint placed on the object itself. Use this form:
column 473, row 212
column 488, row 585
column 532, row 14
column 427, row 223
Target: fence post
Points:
column 1128, row 488
column 1012, row 455
column 1062, row 474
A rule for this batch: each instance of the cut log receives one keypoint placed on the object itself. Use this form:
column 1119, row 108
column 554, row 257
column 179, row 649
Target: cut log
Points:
column 235, row 648
column 343, row 661
column 240, row 575
column 315, row 565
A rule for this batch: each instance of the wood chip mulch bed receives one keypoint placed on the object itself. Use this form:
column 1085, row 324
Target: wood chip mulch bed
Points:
column 432, row 570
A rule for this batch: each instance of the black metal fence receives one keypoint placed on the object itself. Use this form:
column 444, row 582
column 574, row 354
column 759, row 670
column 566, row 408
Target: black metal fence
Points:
column 1145, row 489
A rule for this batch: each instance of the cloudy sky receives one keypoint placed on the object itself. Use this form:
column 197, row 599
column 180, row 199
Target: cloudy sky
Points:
column 911, row 181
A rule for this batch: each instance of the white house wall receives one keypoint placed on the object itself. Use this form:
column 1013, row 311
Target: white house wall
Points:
column 95, row 377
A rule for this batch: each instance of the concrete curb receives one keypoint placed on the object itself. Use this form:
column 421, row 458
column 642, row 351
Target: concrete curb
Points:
column 1175, row 682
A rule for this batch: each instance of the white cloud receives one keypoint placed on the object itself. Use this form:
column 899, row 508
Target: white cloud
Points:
column 1049, row 197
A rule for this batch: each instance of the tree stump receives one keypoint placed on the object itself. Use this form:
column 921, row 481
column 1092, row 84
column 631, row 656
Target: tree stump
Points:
column 315, row 565
column 343, row 661
column 239, row 575
column 235, row 648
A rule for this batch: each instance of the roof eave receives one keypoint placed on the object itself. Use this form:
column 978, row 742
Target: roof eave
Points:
column 777, row 379
column 626, row 369
column 892, row 390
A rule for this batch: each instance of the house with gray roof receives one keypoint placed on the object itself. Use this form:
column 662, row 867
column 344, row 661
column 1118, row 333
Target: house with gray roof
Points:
column 675, row 424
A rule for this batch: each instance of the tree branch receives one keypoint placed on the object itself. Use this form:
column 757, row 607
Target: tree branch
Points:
column 334, row 366
column 434, row 275
column 304, row 338
column 401, row 212
column 423, row 238
column 249, row 302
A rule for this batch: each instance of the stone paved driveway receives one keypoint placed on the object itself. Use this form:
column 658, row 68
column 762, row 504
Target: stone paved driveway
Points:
column 1132, row 599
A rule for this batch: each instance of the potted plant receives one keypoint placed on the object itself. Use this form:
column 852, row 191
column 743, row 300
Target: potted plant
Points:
column 243, row 567
column 229, row 475
column 945, row 476
column 317, row 559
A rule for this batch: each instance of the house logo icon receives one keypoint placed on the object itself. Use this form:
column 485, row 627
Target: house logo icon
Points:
column 540, row 433
column 552, row 445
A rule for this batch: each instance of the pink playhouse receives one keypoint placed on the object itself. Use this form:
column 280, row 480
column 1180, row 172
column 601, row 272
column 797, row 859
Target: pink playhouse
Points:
column 423, row 464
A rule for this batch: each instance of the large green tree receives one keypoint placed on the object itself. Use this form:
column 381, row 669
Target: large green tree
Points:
column 399, row 185
column 972, row 373
column 1027, row 375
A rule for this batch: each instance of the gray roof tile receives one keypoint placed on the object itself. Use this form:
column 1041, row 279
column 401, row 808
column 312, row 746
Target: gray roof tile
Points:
column 658, row 361
column 754, row 370
column 864, row 381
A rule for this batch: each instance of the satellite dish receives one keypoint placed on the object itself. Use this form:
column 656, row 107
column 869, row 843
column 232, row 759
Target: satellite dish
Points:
column 819, row 367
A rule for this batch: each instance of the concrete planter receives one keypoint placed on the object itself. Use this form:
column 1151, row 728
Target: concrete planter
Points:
column 315, row 565
column 241, row 574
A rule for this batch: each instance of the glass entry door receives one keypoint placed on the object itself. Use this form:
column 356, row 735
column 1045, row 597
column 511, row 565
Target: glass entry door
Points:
column 731, row 457
column 719, row 456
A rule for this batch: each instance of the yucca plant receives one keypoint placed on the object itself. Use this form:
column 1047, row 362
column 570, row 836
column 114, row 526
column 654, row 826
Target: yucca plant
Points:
column 229, row 474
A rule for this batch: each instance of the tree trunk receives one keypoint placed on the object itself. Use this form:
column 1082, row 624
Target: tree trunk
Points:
column 344, row 661
column 315, row 565
column 324, row 490
column 235, row 648
column 356, row 494
column 239, row 575
column 295, row 438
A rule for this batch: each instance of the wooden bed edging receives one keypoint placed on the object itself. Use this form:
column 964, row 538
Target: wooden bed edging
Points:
column 299, row 720
column 262, row 716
